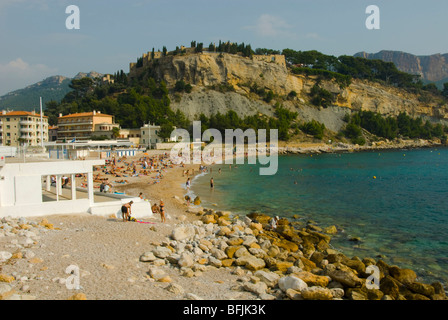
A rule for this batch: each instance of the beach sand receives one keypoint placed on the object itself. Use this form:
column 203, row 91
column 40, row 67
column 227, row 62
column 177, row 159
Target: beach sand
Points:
column 107, row 250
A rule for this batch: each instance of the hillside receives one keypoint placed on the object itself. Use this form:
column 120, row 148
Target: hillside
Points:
column 52, row 88
column 432, row 68
column 223, row 82
column 307, row 96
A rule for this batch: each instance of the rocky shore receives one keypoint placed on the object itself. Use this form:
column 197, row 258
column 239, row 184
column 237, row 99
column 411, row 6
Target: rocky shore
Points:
column 292, row 262
column 285, row 263
column 346, row 147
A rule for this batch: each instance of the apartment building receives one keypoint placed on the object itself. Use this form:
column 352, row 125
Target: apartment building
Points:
column 149, row 135
column 86, row 126
column 19, row 128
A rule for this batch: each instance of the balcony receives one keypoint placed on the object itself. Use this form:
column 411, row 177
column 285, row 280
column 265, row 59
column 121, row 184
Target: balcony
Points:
column 74, row 123
column 74, row 130
column 26, row 122
column 26, row 130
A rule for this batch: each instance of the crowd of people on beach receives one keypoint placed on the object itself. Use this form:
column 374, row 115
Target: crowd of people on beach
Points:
column 153, row 166
column 121, row 170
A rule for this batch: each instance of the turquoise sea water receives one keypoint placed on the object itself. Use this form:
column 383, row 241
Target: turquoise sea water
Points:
column 395, row 201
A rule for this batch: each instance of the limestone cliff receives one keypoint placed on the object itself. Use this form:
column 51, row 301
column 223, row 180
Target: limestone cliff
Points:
column 207, row 71
column 431, row 68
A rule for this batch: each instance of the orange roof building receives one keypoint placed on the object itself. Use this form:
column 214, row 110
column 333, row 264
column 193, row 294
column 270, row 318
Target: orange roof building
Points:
column 85, row 125
column 23, row 128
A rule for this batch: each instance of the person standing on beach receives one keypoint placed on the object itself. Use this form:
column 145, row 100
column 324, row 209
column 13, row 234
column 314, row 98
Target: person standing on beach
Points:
column 162, row 210
column 212, row 183
column 188, row 184
column 126, row 210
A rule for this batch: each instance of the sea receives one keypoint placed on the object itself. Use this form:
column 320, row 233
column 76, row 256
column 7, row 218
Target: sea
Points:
column 395, row 202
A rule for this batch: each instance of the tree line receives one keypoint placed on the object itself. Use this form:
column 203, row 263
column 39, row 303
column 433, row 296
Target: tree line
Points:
column 391, row 127
column 344, row 68
column 283, row 120
column 132, row 104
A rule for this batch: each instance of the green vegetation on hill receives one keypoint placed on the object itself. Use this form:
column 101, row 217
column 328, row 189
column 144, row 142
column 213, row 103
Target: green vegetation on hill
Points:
column 343, row 68
column 27, row 99
column 132, row 104
column 391, row 127
column 136, row 102
column 282, row 121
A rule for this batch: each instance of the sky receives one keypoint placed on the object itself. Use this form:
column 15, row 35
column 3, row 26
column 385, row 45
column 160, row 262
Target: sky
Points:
column 35, row 42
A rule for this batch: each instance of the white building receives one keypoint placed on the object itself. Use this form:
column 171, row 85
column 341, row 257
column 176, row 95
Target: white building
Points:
column 149, row 135
column 26, row 189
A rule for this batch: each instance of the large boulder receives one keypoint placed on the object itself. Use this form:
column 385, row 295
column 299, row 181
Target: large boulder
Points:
column 405, row 276
column 162, row 252
column 313, row 279
column 258, row 288
column 259, row 217
column 317, row 293
column 390, row 286
column 346, row 278
column 421, row 288
column 186, row 260
column 183, row 232
column 292, row 282
column 270, row 278
column 148, row 257
column 250, row 262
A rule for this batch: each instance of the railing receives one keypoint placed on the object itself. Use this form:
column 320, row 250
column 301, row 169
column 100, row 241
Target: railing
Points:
column 26, row 122
column 75, row 130
column 71, row 123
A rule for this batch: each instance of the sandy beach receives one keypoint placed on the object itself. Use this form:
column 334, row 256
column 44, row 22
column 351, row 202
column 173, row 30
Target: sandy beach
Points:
column 107, row 252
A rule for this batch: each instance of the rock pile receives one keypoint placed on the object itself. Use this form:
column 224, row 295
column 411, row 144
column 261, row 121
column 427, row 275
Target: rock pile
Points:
column 25, row 236
column 285, row 263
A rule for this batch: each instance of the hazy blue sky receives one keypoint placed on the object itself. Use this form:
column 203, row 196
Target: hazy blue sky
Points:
column 35, row 43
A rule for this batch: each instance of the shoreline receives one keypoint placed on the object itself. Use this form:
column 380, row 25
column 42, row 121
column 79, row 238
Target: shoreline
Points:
column 342, row 147
column 198, row 265
column 216, row 206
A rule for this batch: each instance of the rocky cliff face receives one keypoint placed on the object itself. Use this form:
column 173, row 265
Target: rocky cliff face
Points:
column 431, row 68
column 206, row 71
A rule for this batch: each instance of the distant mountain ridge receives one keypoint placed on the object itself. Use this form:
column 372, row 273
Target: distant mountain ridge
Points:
column 432, row 68
column 51, row 88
